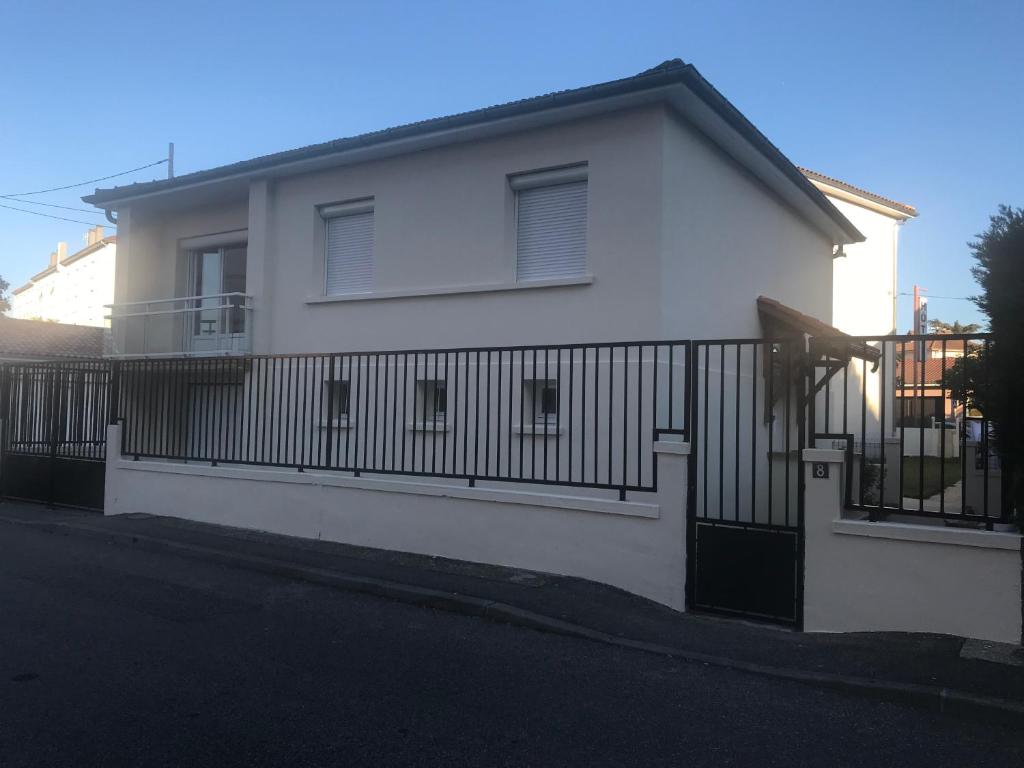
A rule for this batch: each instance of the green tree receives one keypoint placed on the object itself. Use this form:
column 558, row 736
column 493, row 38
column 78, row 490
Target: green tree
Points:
column 989, row 378
column 4, row 303
column 938, row 326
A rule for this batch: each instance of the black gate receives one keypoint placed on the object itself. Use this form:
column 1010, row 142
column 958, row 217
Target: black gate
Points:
column 54, row 442
column 745, row 506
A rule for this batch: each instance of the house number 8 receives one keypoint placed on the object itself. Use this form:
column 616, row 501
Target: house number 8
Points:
column 820, row 469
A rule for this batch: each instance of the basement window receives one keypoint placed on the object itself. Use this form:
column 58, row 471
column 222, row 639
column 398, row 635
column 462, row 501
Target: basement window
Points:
column 431, row 402
column 337, row 403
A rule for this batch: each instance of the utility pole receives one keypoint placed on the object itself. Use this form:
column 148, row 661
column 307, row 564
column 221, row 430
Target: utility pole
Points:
column 170, row 160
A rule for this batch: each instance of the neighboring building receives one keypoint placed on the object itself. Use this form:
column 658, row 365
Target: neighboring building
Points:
column 864, row 295
column 865, row 276
column 73, row 289
column 34, row 340
column 647, row 207
column 924, row 381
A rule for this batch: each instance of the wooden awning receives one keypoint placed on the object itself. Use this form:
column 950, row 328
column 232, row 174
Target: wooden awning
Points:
column 781, row 321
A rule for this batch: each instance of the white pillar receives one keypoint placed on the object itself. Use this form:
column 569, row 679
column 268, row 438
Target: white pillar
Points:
column 110, row 495
column 823, row 503
column 672, row 459
column 257, row 270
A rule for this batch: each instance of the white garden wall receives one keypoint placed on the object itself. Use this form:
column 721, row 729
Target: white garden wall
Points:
column 863, row 576
column 637, row 545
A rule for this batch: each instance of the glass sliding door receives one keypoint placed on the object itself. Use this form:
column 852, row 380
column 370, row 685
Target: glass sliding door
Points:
column 206, row 282
column 233, row 281
column 217, row 320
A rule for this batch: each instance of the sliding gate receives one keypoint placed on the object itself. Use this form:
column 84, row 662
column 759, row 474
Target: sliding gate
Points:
column 55, row 416
column 745, row 510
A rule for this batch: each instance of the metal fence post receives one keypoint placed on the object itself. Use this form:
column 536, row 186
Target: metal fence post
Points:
column 330, row 411
column 114, row 404
column 690, row 410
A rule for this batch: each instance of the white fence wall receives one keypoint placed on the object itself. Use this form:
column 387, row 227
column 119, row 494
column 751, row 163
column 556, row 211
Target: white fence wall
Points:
column 928, row 441
column 861, row 576
column 637, row 545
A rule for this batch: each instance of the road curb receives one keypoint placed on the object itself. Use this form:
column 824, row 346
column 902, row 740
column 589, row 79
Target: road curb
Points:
column 934, row 698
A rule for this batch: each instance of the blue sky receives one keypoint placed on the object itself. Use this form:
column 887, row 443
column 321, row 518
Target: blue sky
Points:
column 919, row 101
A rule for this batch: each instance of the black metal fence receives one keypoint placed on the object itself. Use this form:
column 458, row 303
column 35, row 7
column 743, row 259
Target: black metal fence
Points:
column 745, row 500
column 56, row 408
column 53, row 442
column 579, row 415
column 907, row 411
column 747, row 428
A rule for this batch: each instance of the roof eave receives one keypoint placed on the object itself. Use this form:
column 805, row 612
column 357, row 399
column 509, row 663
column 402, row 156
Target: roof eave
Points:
column 682, row 86
column 862, row 197
column 398, row 137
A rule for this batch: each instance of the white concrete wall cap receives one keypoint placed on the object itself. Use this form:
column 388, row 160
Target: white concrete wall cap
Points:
column 829, row 455
column 963, row 537
column 672, row 446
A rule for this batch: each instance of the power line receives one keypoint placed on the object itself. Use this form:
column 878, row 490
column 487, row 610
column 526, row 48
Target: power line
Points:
column 48, row 215
column 51, row 205
column 930, row 296
column 84, row 183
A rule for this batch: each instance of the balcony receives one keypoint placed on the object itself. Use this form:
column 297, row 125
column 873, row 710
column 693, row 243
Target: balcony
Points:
column 207, row 325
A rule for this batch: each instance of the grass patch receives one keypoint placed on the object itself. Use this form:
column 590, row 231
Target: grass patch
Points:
column 933, row 475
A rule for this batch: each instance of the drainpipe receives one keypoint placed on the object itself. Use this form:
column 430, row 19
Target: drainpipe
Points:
column 110, row 216
column 895, row 276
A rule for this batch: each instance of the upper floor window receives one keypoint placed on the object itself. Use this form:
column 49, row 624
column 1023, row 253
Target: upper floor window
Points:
column 551, row 224
column 348, row 260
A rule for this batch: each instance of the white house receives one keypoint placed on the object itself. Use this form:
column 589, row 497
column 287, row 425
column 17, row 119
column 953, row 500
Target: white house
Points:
column 865, row 288
column 489, row 298
column 624, row 210
column 566, row 333
column 74, row 289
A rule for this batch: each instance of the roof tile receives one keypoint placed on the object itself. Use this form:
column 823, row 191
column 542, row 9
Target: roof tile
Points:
column 39, row 339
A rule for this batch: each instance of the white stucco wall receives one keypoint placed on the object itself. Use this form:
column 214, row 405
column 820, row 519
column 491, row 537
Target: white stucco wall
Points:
column 680, row 242
column 153, row 265
column 636, row 545
column 445, row 218
column 905, row 577
column 864, row 281
column 726, row 239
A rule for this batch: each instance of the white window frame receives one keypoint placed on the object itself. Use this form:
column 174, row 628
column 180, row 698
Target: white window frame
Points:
column 334, row 401
column 547, row 178
column 338, row 211
column 426, row 394
column 534, row 394
column 536, row 423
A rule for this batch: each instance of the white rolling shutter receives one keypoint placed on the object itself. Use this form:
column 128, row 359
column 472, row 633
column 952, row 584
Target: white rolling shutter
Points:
column 551, row 227
column 350, row 254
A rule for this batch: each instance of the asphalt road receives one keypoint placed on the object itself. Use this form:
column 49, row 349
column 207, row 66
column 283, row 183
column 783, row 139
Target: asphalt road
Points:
column 111, row 656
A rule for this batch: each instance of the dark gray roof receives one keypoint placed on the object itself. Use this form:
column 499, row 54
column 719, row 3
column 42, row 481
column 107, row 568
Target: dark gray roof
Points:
column 673, row 71
column 42, row 340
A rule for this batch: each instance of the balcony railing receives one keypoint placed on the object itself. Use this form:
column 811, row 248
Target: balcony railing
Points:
column 213, row 324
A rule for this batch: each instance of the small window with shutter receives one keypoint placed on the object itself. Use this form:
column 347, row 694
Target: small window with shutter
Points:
column 551, row 225
column 349, row 266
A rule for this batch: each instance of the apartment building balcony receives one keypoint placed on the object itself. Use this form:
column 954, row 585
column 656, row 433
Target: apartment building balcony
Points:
column 206, row 325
